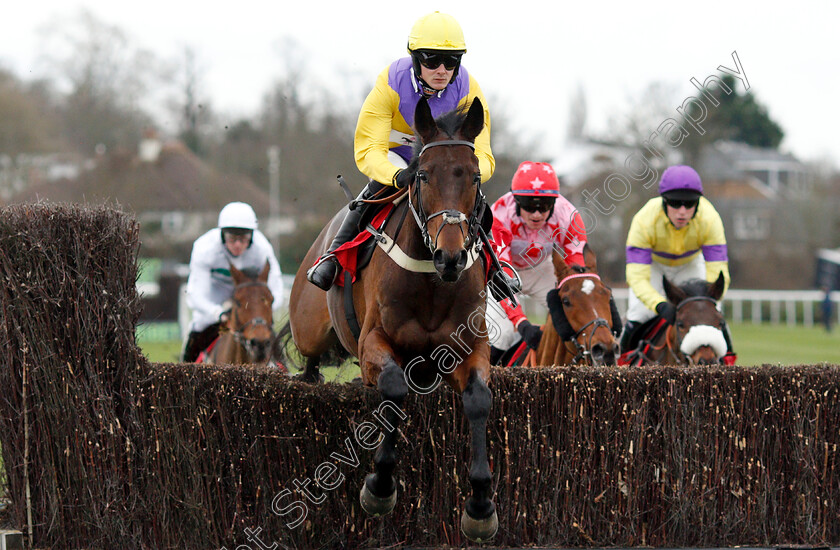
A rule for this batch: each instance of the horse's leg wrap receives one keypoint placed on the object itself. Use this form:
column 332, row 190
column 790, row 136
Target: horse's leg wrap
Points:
column 379, row 491
column 479, row 521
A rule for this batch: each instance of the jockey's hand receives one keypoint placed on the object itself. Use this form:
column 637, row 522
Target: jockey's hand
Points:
column 667, row 311
column 224, row 317
column 403, row 178
column 530, row 333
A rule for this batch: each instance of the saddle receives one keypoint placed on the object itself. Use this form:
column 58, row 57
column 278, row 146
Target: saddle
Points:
column 641, row 340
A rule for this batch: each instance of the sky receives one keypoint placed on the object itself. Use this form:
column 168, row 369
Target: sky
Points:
column 529, row 57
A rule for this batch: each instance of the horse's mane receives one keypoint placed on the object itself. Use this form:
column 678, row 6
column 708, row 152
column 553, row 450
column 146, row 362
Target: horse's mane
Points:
column 695, row 287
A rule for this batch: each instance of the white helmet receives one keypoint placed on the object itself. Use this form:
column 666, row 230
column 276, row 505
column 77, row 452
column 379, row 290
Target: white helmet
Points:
column 238, row 214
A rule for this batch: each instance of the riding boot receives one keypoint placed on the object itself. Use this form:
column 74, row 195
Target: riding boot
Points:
column 627, row 334
column 198, row 342
column 495, row 355
column 325, row 270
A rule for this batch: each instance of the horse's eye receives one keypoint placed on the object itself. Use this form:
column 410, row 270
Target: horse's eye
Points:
column 566, row 301
column 423, row 176
column 680, row 324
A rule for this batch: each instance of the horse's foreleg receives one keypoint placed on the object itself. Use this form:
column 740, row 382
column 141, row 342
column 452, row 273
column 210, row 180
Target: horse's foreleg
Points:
column 312, row 371
column 379, row 491
column 479, row 521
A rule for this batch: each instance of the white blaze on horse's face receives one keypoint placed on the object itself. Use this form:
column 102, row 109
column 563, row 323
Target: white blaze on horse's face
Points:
column 703, row 335
column 587, row 287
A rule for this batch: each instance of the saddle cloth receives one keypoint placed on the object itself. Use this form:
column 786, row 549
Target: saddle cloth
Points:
column 349, row 253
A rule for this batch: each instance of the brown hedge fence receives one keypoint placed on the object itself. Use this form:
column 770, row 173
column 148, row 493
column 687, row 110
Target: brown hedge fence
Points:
column 104, row 450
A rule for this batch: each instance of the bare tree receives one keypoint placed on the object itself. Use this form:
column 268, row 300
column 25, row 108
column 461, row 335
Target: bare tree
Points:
column 104, row 76
column 190, row 106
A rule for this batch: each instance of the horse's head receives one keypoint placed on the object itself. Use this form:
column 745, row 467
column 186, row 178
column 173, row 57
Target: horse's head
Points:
column 250, row 318
column 445, row 196
column 585, row 317
column 699, row 325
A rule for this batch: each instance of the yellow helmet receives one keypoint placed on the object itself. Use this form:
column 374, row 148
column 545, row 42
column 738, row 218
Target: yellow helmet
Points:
column 437, row 31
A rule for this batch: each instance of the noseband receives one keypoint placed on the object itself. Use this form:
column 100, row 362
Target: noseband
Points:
column 677, row 351
column 450, row 216
column 583, row 351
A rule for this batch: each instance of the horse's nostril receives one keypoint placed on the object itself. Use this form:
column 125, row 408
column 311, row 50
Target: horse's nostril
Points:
column 462, row 259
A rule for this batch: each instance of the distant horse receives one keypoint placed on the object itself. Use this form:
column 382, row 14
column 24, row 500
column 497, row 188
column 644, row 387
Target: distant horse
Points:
column 696, row 337
column 248, row 335
column 422, row 320
column 580, row 310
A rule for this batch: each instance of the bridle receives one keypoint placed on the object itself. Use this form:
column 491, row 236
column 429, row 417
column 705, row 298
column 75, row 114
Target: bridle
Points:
column 450, row 216
column 238, row 332
column 583, row 352
column 676, row 351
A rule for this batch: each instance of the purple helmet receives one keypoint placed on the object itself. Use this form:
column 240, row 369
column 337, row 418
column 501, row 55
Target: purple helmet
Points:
column 681, row 182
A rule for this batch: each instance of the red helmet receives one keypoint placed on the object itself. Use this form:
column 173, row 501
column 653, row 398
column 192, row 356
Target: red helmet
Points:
column 535, row 179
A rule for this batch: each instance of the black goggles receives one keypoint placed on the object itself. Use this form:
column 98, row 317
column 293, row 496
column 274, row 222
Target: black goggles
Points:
column 434, row 60
column 678, row 203
column 535, row 204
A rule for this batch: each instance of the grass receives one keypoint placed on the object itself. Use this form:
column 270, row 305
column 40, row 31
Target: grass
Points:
column 783, row 345
column 169, row 351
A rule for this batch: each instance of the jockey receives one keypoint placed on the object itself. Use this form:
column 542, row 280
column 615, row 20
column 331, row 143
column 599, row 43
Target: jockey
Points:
column 679, row 235
column 531, row 221
column 235, row 241
column 384, row 134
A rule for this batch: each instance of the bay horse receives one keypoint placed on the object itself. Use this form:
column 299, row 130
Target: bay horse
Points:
column 422, row 321
column 579, row 309
column 248, row 335
column 696, row 337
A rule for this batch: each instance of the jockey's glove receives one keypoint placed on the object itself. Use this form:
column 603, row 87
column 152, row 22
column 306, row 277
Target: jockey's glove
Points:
column 530, row 333
column 403, row 178
column 667, row 311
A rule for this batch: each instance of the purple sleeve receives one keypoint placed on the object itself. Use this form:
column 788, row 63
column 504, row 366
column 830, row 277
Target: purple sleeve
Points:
column 715, row 253
column 636, row 255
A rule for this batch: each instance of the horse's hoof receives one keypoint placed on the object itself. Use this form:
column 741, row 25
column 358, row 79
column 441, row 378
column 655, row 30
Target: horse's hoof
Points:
column 376, row 506
column 479, row 530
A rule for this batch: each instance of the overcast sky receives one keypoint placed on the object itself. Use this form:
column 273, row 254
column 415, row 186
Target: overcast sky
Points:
column 529, row 57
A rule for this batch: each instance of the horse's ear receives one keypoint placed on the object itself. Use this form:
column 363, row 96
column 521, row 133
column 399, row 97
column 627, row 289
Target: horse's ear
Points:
column 474, row 122
column 716, row 288
column 424, row 122
column 238, row 276
column 561, row 270
column 589, row 259
column 264, row 273
column 674, row 293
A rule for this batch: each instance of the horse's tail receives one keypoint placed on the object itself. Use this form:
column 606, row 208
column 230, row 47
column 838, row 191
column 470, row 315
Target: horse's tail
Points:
column 284, row 350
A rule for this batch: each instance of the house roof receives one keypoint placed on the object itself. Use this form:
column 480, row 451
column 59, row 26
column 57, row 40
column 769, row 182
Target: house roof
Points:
column 176, row 180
